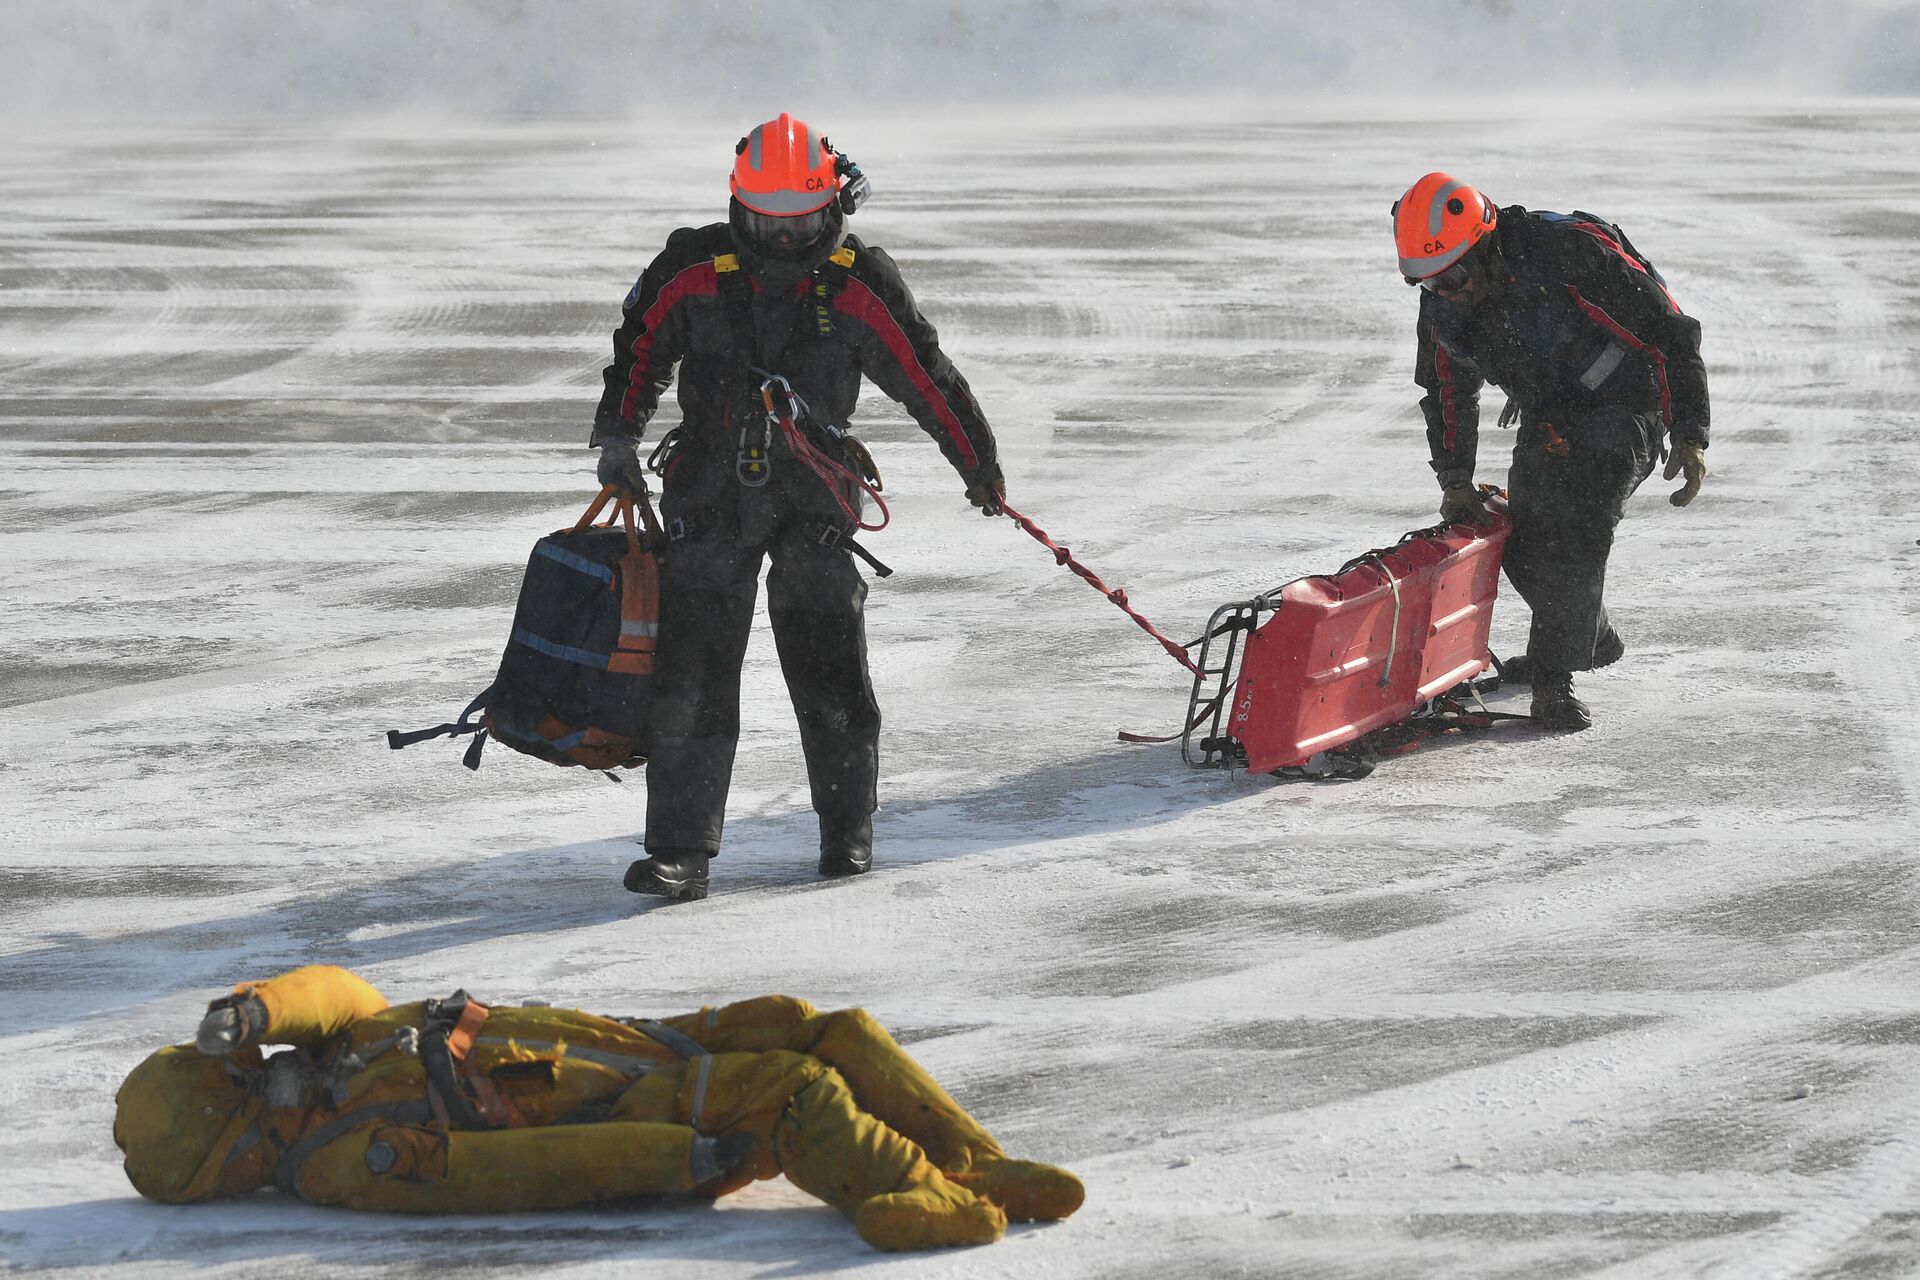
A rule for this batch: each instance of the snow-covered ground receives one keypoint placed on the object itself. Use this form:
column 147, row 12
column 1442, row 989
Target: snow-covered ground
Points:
column 282, row 413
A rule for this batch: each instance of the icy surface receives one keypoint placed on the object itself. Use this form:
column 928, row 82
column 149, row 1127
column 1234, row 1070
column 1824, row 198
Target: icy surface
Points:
column 283, row 412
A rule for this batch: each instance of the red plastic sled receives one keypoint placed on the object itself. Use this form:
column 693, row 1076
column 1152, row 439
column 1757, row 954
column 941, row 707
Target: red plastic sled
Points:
column 1343, row 655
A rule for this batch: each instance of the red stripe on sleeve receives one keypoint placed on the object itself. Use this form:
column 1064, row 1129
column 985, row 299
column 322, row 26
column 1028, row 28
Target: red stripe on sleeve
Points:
column 1443, row 365
column 698, row 280
column 864, row 305
column 1647, row 349
column 1627, row 258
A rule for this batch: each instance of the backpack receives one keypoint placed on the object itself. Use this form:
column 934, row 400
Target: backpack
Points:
column 1610, row 235
column 575, row 684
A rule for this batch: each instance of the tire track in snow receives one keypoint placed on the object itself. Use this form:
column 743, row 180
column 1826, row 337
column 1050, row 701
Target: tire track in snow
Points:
column 1844, row 1207
column 1412, row 1134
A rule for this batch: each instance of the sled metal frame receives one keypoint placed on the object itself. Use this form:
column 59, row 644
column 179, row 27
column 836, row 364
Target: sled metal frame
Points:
column 1229, row 625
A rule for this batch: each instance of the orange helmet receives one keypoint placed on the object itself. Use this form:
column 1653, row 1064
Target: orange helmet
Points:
column 792, row 193
column 1436, row 222
column 784, row 168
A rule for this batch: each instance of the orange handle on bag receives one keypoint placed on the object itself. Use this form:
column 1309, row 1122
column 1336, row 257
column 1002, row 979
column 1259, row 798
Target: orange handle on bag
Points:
column 623, row 505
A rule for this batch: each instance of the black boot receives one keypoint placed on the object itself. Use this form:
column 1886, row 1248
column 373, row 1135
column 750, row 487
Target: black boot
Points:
column 1554, row 706
column 1607, row 650
column 679, row 874
column 846, row 850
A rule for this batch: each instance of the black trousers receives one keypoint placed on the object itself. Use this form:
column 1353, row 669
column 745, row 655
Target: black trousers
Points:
column 1568, row 488
column 815, row 598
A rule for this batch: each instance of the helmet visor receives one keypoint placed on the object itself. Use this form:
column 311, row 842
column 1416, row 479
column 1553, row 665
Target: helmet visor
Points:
column 790, row 235
column 1445, row 284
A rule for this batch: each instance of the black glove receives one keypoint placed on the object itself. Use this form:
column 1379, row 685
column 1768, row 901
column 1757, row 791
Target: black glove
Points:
column 985, row 487
column 236, row 1022
column 1461, row 501
column 620, row 464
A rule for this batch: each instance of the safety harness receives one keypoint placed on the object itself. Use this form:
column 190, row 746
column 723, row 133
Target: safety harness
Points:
column 686, row 1047
column 456, row 1096
column 784, row 415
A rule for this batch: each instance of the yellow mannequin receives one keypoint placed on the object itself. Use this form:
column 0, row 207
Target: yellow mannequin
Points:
column 454, row 1107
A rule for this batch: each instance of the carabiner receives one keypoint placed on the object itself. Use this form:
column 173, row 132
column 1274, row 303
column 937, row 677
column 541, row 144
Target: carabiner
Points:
column 796, row 407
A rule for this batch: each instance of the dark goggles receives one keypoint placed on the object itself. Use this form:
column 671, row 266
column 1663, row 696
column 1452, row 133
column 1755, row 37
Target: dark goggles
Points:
column 791, row 232
column 1446, row 283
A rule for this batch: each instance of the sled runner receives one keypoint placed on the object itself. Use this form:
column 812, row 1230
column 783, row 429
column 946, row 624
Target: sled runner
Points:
column 1292, row 676
column 575, row 684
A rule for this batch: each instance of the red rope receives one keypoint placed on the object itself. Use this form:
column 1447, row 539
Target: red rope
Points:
column 1062, row 556
column 838, row 478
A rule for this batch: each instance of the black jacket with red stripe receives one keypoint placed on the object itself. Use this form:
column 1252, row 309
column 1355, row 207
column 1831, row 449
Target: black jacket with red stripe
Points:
column 1579, row 321
column 823, row 332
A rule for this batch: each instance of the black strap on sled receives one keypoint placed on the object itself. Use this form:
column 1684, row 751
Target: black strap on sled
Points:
column 1206, row 708
column 1446, row 714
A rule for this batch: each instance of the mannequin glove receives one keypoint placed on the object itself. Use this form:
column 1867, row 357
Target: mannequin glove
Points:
column 1690, row 459
column 236, row 1022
